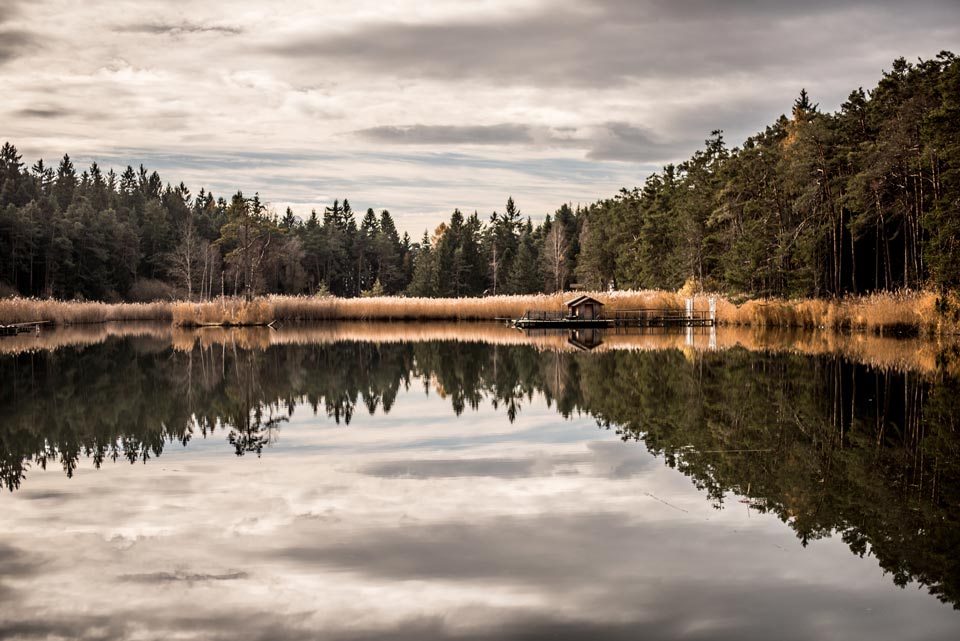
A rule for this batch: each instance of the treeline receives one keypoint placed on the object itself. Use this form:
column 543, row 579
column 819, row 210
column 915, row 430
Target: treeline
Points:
column 818, row 204
column 101, row 236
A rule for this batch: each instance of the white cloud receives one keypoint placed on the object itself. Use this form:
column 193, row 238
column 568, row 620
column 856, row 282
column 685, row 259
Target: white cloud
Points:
column 605, row 88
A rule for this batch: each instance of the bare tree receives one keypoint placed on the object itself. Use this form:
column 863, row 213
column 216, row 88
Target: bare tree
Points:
column 495, row 266
column 248, row 234
column 555, row 248
column 211, row 265
column 187, row 256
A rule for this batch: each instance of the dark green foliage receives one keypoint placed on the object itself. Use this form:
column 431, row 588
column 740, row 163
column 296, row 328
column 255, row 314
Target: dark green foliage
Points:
column 448, row 258
column 390, row 256
column 817, row 204
column 597, row 259
column 942, row 148
column 525, row 276
column 423, row 282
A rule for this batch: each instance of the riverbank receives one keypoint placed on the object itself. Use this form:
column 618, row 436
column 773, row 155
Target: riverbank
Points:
column 922, row 313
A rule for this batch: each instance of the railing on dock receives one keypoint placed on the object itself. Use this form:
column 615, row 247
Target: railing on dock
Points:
column 660, row 317
column 648, row 317
column 547, row 315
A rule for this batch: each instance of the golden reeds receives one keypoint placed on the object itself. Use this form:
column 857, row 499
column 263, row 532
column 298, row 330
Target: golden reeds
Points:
column 261, row 311
column 919, row 312
column 60, row 312
column 888, row 312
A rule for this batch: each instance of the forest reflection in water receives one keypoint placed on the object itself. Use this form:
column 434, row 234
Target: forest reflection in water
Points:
column 850, row 437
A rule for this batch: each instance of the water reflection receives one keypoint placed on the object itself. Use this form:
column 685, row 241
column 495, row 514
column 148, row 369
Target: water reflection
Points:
column 830, row 445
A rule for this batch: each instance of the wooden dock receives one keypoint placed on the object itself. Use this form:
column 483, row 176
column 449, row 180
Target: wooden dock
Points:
column 561, row 319
column 21, row 328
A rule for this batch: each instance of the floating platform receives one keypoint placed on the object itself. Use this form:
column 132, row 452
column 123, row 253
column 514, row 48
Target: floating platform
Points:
column 627, row 318
column 21, row 328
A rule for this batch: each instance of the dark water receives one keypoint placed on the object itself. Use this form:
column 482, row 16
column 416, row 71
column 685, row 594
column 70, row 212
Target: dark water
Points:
column 465, row 490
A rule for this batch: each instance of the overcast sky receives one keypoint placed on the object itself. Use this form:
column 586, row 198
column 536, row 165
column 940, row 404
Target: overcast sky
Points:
column 422, row 107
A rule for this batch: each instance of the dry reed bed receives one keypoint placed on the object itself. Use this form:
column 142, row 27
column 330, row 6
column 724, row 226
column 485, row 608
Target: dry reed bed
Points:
column 393, row 308
column 61, row 312
column 880, row 313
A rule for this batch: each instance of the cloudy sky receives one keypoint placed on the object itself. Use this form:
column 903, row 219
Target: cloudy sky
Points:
column 422, row 107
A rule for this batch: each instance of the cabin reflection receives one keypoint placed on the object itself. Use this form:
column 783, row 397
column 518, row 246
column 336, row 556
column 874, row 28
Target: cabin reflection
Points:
column 585, row 339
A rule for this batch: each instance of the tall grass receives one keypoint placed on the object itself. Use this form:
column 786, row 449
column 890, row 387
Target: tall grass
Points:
column 61, row 312
column 914, row 312
column 393, row 308
column 890, row 312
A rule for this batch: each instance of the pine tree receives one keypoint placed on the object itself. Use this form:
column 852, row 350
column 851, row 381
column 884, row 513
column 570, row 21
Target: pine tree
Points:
column 65, row 183
column 525, row 275
column 423, row 281
column 389, row 256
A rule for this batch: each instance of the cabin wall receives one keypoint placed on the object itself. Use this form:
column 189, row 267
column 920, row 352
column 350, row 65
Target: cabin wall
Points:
column 586, row 311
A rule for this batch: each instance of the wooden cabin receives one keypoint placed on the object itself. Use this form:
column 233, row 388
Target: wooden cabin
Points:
column 585, row 308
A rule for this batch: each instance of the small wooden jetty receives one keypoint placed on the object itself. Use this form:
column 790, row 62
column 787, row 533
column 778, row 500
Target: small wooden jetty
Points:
column 21, row 328
column 585, row 311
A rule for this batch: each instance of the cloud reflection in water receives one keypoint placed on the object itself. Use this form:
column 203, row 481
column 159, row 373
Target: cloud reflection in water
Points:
column 419, row 524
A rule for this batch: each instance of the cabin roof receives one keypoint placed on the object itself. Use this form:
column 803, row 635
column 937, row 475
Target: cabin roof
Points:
column 580, row 300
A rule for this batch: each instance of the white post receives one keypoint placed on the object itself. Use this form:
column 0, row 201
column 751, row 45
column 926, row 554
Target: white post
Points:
column 713, row 310
column 689, row 308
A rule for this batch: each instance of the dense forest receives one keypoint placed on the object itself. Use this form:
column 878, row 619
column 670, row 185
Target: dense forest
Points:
column 817, row 204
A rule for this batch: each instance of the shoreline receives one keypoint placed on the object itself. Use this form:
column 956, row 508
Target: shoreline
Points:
column 925, row 355
column 923, row 313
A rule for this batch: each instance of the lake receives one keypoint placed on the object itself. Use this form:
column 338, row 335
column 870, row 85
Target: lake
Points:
column 364, row 481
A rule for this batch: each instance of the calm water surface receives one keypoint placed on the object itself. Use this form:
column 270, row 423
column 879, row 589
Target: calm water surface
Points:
column 352, row 483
